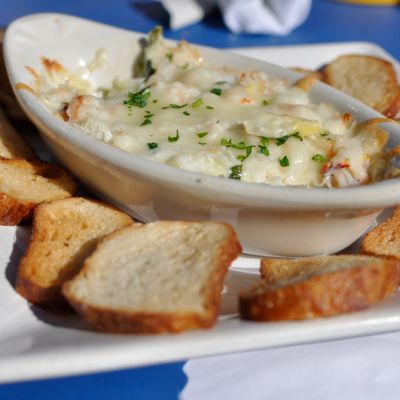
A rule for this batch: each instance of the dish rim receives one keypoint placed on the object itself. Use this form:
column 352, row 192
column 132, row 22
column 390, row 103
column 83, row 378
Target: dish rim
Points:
column 376, row 195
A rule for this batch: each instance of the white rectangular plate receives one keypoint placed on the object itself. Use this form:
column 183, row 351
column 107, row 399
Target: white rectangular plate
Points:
column 36, row 344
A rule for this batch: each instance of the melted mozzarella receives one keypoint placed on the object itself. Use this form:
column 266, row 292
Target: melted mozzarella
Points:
column 212, row 120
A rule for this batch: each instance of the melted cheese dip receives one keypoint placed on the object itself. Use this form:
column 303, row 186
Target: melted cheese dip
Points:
column 218, row 121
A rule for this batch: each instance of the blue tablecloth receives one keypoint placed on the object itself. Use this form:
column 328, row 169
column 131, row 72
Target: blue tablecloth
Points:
column 329, row 22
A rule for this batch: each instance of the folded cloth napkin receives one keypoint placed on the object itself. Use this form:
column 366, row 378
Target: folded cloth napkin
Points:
column 278, row 17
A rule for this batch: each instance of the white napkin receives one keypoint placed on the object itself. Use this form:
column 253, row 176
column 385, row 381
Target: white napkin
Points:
column 278, row 17
column 365, row 368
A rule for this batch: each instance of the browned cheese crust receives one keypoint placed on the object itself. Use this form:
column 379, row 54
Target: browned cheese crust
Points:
column 323, row 295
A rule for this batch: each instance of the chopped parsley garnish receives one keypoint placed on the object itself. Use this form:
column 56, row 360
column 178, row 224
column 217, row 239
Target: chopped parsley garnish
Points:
column 202, row 143
column 265, row 102
column 216, row 91
column 319, row 158
column 238, row 146
column 210, row 108
column 147, row 118
column 263, row 150
column 297, row 136
column 170, row 56
column 148, row 70
column 236, row 172
column 221, row 82
column 284, row 162
column 324, row 134
column 152, row 146
column 202, row 134
column 155, row 101
column 138, row 99
column 186, row 113
column 146, row 121
column 282, row 140
column 174, row 106
column 197, row 103
column 174, row 138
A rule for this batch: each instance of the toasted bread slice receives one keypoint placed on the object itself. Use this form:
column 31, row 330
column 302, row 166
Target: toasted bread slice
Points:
column 369, row 79
column 318, row 287
column 154, row 278
column 384, row 240
column 25, row 184
column 64, row 233
column 12, row 145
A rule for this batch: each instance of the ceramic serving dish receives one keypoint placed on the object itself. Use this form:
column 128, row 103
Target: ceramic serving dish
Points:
column 284, row 221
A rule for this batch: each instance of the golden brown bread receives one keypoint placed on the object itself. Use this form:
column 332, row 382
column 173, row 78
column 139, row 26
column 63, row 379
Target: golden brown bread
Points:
column 155, row 278
column 25, row 184
column 369, row 79
column 12, row 145
column 64, row 233
column 318, row 287
column 384, row 240
column 7, row 99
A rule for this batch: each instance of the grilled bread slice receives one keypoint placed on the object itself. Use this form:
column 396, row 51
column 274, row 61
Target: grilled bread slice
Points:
column 313, row 287
column 25, row 184
column 12, row 145
column 64, row 233
column 154, row 278
column 384, row 240
column 369, row 79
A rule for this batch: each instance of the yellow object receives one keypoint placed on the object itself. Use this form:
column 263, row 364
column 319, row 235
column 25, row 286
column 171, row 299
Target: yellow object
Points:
column 374, row 2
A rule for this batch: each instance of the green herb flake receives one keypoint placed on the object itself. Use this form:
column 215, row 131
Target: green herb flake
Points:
column 324, row 134
column 265, row 102
column 238, row 146
column 202, row 134
column 281, row 140
column 152, row 146
column 235, row 172
column 197, row 103
column 225, row 142
column 284, row 162
column 184, row 66
column 264, row 140
column 216, row 91
column 138, row 99
column 263, row 150
column 297, row 136
column 319, row 158
column 148, row 70
column 170, row 56
column 186, row 113
column 146, row 121
column 209, row 108
column 202, row 143
column 175, row 106
column 174, row 138
column 155, row 101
